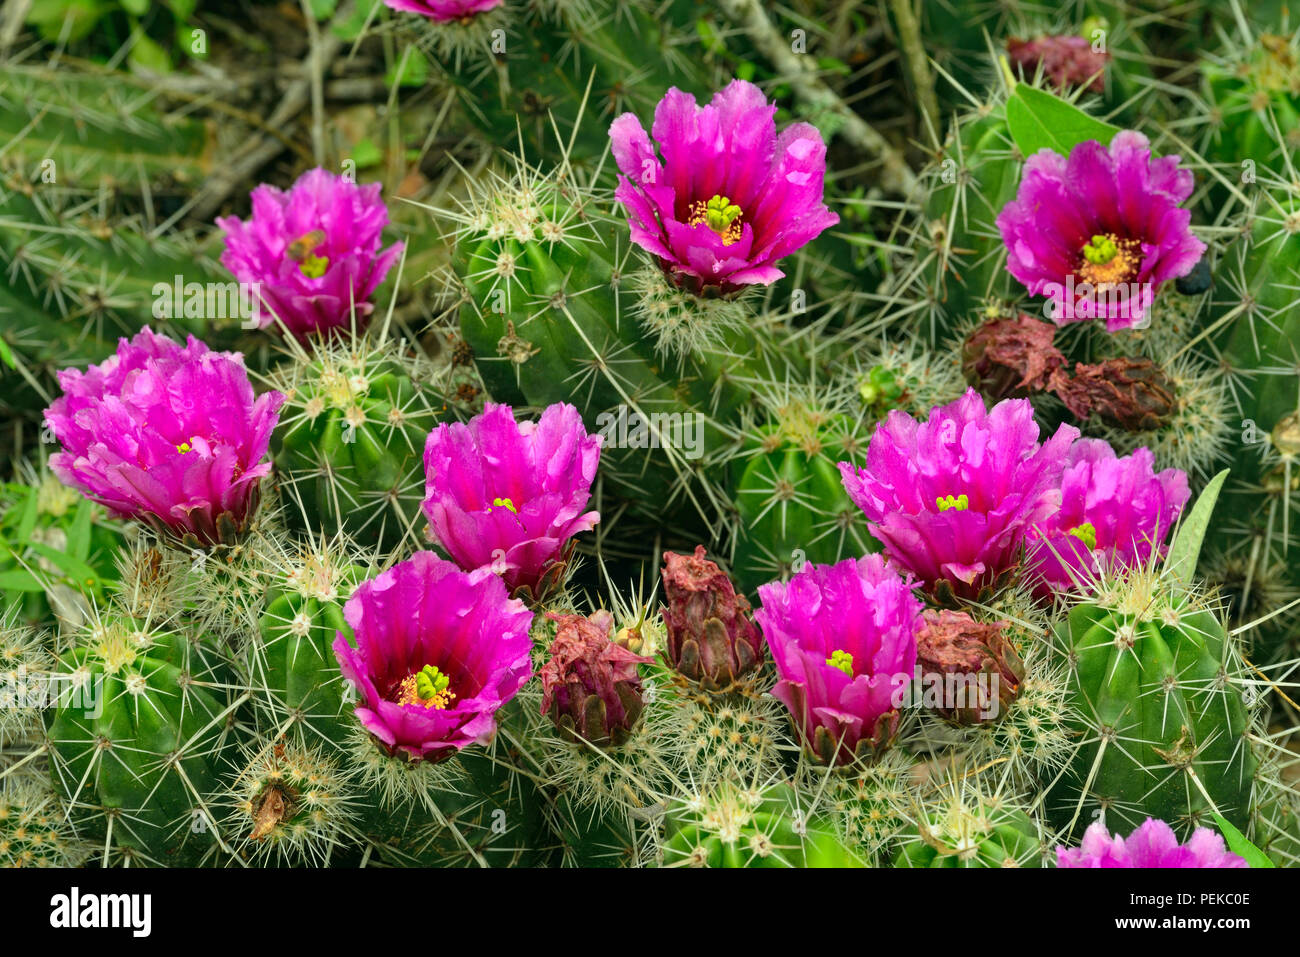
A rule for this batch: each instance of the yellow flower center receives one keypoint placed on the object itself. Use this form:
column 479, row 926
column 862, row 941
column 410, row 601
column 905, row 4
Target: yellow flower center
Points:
column 945, row 502
column 841, row 660
column 1109, row 260
column 721, row 215
column 428, row 687
column 184, row 447
column 300, row 251
column 1086, row 533
column 504, row 503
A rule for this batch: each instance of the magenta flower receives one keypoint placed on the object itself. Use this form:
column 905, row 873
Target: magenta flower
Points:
column 843, row 638
column 314, row 251
column 510, row 495
column 171, row 436
column 444, row 11
column 1154, row 844
column 730, row 197
column 1113, row 513
column 1100, row 231
column 438, row 651
column 952, row 498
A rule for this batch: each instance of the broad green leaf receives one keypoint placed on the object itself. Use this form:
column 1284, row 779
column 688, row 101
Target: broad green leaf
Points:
column 413, row 67
column 1186, row 547
column 147, row 54
column 1238, row 844
column 1039, row 120
column 20, row 580
column 27, row 522
column 79, row 572
column 366, row 154
column 80, row 531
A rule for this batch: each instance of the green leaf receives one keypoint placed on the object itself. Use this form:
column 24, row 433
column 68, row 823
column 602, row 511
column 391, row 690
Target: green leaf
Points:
column 1238, row 844
column 7, row 355
column 79, row 532
column 1040, row 120
column 27, row 519
column 1186, row 547
column 349, row 27
column 366, row 154
column 414, row 69
column 147, row 54
column 20, row 580
column 77, row 17
column 322, row 9
column 82, row 574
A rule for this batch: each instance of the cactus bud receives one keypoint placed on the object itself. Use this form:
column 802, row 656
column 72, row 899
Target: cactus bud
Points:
column 1130, row 393
column 1067, row 61
column 1011, row 357
column 979, row 655
column 590, row 685
column 712, row 639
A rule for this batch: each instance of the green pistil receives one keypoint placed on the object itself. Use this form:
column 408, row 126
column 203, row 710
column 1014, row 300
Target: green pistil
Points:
column 184, row 447
column 1085, row 533
column 841, row 660
column 720, row 213
column 313, row 267
column 505, row 503
column 1101, row 250
column 945, row 502
column 430, row 683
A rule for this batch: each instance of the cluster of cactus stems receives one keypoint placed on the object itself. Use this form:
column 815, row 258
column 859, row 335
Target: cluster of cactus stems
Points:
column 644, row 483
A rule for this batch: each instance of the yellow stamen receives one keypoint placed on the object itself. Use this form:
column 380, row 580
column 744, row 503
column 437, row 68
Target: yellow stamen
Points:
column 505, row 503
column 428, row 687
column 841, row 660
column 300, row 251
column 1086, row 533
column 721, row 215
column 1109, row 260
column 184, row 447
column 945, row 502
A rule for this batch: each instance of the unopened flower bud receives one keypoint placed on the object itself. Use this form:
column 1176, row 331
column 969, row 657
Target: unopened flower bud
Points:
column 590, row 685
column 712, row 639
column 973, row 663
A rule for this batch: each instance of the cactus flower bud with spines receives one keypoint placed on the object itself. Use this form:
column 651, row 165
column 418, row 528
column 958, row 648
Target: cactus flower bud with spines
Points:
column 952, row 646
column 169, row 435
column 1133, row 394
column 1011, row 357
column 590, row 685
column 510, row 495
column 1067, row 61
column 314, row 250
column 1153, row 844
column 730, row 197
column 426, row 619
column 711, row 638
column 843, row 638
